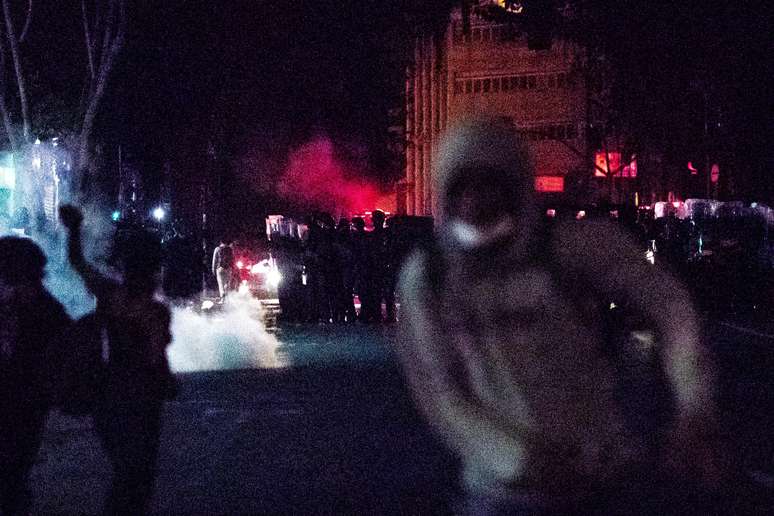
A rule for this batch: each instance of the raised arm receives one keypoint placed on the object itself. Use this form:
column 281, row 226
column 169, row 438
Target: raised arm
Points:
column 425, row 352
column 95, row 282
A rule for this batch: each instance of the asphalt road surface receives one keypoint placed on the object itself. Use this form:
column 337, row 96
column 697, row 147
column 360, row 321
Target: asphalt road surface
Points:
column 330, row 429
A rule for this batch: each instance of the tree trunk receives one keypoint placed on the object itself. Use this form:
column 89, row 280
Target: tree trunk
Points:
column 112, row 45
column 14, row 46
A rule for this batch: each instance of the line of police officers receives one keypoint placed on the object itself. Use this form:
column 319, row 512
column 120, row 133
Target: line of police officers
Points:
column 337, row 261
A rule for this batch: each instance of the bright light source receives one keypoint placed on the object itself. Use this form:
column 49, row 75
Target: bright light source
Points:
column 240, row 264
column 551, row 212
column 244, row 288
column 274, row 277
column 159, row 213
column 115, row 216
column 206, row 305
column 581, row 214
column 37, row 141
column 36, row 162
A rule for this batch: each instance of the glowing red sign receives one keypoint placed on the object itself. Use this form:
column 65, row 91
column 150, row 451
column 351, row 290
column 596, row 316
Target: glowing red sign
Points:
column 549, row 183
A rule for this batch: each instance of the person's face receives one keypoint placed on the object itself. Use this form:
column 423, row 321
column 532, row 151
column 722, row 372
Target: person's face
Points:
column 481, row 201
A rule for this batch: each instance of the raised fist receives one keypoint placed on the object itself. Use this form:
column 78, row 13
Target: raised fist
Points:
column 70, row 216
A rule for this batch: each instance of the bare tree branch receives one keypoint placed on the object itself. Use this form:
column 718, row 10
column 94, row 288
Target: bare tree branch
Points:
column 112, row 45
column 7, row 123
column 14, row 45
column 87, row 37
column 107, row 33
column 27, row 22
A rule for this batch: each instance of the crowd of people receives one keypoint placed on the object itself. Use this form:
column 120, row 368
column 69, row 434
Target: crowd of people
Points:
column 111, row 364
column 329, row 270
column 505, row 344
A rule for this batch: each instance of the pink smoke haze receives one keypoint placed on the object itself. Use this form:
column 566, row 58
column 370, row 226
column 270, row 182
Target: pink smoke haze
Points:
column 317, row 179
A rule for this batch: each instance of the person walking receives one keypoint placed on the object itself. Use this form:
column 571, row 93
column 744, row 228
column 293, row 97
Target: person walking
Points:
column 222, row 267
column 504, row 347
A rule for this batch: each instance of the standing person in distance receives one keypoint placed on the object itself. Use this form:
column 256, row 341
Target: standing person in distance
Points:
column 222, row 267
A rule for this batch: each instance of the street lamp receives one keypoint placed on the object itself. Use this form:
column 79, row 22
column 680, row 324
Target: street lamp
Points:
column 159, row 213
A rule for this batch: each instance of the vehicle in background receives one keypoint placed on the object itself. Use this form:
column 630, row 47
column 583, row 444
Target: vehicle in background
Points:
column 256, row 272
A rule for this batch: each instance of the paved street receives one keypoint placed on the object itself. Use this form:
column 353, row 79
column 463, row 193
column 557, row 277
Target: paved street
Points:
column 329, row 428
column 331, row 435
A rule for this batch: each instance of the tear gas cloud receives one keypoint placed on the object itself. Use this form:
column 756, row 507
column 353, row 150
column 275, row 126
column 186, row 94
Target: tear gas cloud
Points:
column 318, row 179
column 234, row 338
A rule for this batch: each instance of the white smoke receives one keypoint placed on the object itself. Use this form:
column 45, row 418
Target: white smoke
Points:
column 232, row 338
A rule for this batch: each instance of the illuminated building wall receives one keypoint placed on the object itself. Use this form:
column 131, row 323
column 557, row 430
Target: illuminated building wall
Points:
column 489, row 71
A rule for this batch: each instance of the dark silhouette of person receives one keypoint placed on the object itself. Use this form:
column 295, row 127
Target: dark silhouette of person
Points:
column 135, row 334
column 360, row 267
column 344, row 309
column 322, row 266
column 375, row 272
column 288, row 255
column 32, row 328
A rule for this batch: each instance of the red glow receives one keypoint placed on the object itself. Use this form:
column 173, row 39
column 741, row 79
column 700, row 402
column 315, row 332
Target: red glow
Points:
column 318, row 179
column 549, row 183
column 601, row 161
column 692, row 169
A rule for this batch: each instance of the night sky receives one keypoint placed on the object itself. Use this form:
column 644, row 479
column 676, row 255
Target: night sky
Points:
column 263, row 75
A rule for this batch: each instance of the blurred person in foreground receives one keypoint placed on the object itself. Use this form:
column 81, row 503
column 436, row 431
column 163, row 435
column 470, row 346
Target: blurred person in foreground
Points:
column 32, row 327
column 134, row 336
column 507, row 357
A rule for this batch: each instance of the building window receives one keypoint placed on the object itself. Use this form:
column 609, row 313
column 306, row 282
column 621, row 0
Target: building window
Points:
column 487, row 85
column 495, row 84
column 572, row 133
column 505, row 83
column 521, row 82
column 458, row 87
column 531, row 82
column 477, row 86
column 469, row 86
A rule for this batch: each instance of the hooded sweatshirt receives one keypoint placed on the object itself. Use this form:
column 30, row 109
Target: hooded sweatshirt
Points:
column 498, row 357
